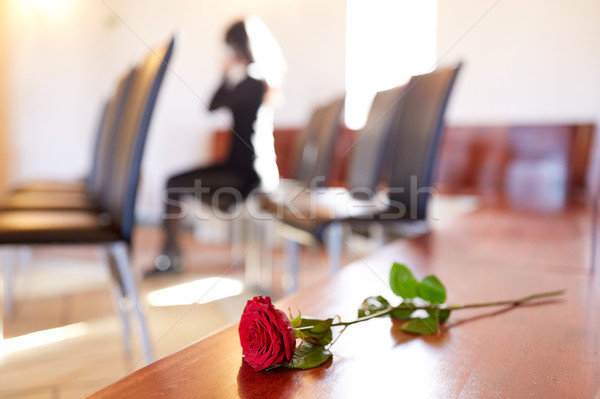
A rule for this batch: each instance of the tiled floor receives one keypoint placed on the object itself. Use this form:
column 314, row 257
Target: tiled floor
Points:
column 60, row 287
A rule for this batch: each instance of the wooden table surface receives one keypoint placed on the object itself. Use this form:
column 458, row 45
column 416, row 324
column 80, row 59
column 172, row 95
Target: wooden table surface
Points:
column 545, row 350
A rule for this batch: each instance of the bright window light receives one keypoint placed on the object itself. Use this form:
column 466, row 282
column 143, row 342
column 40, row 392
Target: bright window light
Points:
column 46, row 8
column 387, row 41
column 267, row 53
column 43, row 337
column 200, row 291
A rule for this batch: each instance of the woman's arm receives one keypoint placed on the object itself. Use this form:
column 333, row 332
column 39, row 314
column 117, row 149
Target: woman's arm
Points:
column 248, row 91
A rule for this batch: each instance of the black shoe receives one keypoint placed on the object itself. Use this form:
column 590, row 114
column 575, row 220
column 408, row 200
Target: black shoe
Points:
column 157, row 272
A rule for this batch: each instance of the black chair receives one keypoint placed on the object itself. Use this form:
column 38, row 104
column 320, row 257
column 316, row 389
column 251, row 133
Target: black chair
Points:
column 312, row 164
column 302, row 217
column 113, row 225
column 79, row 196
column 78, row 186
column 410, row 124
column 317, row 143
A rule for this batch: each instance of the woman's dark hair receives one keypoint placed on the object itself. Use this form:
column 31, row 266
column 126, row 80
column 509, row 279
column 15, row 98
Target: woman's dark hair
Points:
column 254, row 43
column 237, row 37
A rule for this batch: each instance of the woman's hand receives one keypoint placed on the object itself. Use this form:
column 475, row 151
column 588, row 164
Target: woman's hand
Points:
column 228, row 59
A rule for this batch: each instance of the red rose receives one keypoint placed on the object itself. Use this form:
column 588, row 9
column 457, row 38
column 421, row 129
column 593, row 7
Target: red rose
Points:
column 266, row 335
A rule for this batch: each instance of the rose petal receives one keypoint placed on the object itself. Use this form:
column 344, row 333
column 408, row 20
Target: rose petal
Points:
column 266, row 335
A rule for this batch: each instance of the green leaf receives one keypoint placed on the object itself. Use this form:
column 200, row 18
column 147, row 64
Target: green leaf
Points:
column 401, row 314
column 426, row 326
column 431, row 290
column 308, row 356
column 296, row 321
column 372, row 304
column 315, row 331
column 441, row 315
column 402, row 281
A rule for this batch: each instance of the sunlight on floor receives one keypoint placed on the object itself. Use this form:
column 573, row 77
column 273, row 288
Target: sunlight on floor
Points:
column 59, row 287
column 44, row 337
column 200, row 291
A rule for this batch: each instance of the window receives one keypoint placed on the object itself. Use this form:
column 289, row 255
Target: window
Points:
column 387, row 41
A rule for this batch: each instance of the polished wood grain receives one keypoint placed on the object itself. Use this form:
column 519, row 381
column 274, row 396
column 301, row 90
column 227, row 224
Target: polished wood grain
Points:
column 546, row 350
column 518, row 238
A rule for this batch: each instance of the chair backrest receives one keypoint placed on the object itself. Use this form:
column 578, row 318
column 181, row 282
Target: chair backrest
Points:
column 91, row 178
column 372, row 145
column 319, row 138
column 119, row 196
column 107, row 136
column 416, row 140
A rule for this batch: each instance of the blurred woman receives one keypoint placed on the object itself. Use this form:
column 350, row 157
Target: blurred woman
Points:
column 253, row 69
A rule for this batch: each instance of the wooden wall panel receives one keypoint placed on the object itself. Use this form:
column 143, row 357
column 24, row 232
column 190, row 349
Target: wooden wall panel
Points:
column 525, row 161
column 285, row 145
column 472, row 160
column 493, row 159
column 342, row 157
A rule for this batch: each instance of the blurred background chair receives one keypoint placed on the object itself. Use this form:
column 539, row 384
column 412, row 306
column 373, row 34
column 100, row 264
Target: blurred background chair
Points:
column 62, row 196
column 316, row 145
column 312, row 159
column 112, row 225
column 416, row 150
column 73, row 186
column 48, row 195
column 302, row 222
column 408, row 120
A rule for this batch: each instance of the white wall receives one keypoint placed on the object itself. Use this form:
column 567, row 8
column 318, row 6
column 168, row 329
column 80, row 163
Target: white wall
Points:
column 65, row 60
column 4, row 150
column 387, row 42
column 533, row 61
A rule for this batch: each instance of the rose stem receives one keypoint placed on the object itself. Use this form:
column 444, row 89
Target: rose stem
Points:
column 514, row 302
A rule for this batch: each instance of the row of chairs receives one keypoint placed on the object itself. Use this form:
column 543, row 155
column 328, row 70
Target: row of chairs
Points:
column 399, row 143
column 101, row 210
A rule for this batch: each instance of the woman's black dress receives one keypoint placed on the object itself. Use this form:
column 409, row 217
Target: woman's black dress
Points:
column 227, row 183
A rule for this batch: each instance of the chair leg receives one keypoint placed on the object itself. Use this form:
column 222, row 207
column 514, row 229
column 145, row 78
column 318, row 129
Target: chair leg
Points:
column 121, row 304
column 334, row 236
column 376, row 235
column 127, row 281
column 292, row 252
column 252, row 257
column 266, row 257
column 237, row 228
column 9, row 260
column 7, row 277
column 24, row 262
column 123, row 309
column 594, row 236
column 3, row 268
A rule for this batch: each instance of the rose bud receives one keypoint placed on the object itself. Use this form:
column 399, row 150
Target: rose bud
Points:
column 266, row 335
